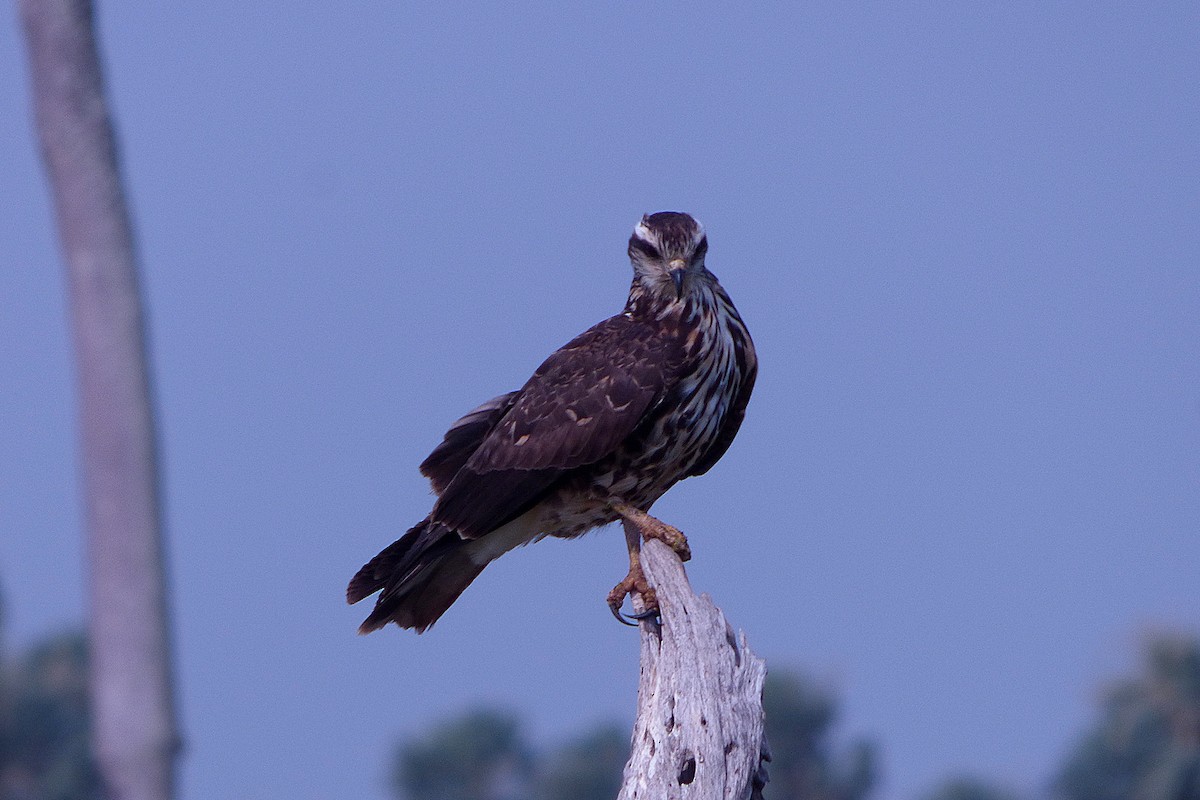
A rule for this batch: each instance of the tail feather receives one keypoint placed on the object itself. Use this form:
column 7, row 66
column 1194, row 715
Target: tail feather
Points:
column 376, row 573
column 418, row 577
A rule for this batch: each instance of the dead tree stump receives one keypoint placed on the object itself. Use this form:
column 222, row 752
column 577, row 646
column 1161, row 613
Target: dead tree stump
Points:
column 699, row 728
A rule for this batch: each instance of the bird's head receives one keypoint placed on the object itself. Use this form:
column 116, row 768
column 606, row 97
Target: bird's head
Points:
column 667, row 250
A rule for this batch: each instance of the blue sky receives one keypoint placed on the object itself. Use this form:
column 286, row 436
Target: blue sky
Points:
column 964, row 237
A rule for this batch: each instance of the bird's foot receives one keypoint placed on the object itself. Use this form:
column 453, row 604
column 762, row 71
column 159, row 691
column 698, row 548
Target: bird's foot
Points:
column 634, row 582
column 652, row 528
column 669, row 535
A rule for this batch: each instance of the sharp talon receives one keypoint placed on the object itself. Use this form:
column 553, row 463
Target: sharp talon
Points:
column 632, row 620
column 616, row 612
column 635, row 581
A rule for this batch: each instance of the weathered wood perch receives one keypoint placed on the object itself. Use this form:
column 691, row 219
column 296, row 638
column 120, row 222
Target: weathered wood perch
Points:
column 699, row 728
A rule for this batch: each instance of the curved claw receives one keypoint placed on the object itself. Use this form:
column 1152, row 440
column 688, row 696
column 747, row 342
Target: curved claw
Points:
column 632, row 620
column 621, row 618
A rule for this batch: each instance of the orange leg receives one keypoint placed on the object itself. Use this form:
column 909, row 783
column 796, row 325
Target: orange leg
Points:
column 642, row 525
column 652, row 528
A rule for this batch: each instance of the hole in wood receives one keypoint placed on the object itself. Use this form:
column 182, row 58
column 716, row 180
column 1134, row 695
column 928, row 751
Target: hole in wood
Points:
column 688, row 773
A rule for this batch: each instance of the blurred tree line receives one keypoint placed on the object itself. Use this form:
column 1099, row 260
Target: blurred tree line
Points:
column 1144, row 745
column 44, row 722
column 1147, row 743
column 484, row 755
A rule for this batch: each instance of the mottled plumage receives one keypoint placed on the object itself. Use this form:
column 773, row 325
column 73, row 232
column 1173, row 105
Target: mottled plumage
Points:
column 611, row 420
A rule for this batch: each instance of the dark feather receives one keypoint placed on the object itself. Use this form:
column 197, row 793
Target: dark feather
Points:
column 577, row 408
column 395, row 559
column 585, row 399
column 474, row 505
column 418, row 577
column 748, row 365
column 462, row 439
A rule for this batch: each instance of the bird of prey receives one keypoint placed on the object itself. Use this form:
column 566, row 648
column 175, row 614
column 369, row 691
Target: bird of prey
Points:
column 604, row 427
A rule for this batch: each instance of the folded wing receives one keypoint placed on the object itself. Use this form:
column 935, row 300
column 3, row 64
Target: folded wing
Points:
column 578, row 407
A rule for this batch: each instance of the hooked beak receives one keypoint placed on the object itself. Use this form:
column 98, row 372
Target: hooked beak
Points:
column 678, row 271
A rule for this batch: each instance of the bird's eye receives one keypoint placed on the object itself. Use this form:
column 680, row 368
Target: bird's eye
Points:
column 701, row 249
column 645, row 248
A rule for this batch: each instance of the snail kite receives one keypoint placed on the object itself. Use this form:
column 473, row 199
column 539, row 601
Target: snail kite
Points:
column 604, row 427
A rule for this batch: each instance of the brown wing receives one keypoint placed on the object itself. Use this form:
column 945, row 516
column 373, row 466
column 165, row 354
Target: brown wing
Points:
column 576, row 409
column 463, row 439
column 748, row 362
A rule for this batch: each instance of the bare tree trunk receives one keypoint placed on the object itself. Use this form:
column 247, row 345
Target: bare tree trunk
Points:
column 699, row 728
column 133, row 717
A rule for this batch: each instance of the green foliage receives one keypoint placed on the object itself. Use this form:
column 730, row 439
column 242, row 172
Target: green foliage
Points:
column 1146, row 745
column 969, row 789
column 483, row 755
column 799, row 716
column 588, row 768
column 480, row 756
column 44, row 751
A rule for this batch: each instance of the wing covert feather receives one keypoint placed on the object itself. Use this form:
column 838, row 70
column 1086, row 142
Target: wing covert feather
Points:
column 584, row 400
column 462, row 439
column 578, row 407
